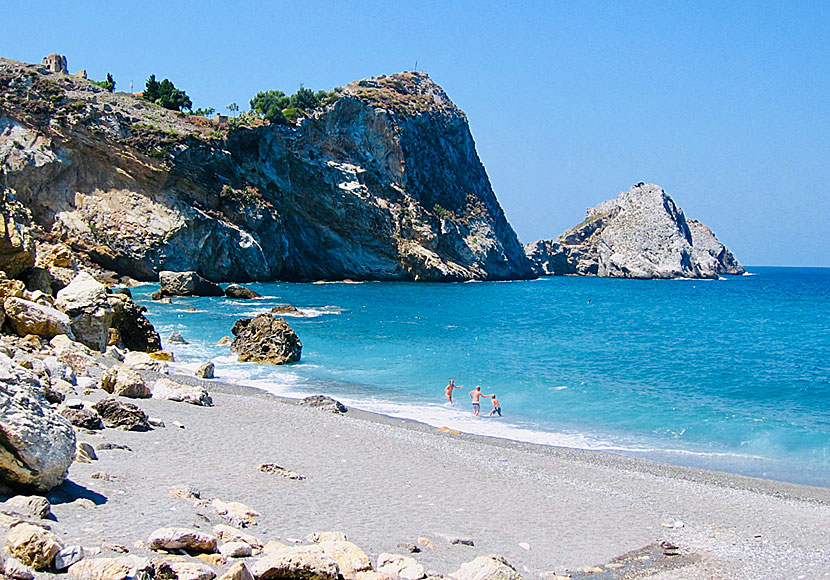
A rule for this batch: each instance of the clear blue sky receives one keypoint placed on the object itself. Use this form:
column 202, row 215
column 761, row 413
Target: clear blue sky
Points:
column 724, row 104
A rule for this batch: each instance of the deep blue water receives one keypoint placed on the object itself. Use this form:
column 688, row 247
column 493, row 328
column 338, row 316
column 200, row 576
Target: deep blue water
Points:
column 732, row 374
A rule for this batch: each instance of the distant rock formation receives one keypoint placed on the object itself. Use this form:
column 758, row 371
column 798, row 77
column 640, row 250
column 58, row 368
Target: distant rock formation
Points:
column 640, row 234
column 384, row 183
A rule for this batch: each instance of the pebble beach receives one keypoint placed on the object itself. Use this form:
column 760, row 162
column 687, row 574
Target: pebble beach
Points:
column 390, row 485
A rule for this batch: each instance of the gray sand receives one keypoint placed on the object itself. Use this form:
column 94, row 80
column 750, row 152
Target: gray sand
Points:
column 384, row 481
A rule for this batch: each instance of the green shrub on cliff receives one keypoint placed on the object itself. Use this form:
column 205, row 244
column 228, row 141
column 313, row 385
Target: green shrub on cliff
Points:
column 269, row 104
column 164, row 93
column 108, row 84
column 278, row 108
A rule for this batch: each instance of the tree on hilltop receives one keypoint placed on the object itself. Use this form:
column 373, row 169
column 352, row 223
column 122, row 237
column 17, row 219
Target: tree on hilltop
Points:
column 164, row 93
column 269, row 104
column 108, row 84
column 304, row 99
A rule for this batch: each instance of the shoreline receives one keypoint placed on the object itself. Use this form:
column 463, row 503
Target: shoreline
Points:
column 382, row 481
column 766, row 486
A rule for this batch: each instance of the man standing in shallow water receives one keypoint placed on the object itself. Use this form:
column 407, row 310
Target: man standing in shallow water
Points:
column 450, row 387
column 475, row 395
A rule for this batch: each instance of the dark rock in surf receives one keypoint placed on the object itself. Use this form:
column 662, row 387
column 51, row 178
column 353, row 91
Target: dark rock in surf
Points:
column 240, row 292
column 187, row 284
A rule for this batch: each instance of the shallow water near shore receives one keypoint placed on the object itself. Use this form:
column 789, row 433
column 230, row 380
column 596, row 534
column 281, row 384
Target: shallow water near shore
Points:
column 731, row 375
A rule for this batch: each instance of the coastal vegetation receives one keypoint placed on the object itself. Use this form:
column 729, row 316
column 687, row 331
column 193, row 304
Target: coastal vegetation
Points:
column 164, row 93
column 108, row 84
column 280, row 109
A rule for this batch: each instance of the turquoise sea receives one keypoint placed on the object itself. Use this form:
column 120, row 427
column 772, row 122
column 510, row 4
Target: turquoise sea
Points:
column 730, row 374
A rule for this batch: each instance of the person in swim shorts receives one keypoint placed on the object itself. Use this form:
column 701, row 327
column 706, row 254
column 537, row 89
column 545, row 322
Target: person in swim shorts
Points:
column 496, row 406
column 475, row 395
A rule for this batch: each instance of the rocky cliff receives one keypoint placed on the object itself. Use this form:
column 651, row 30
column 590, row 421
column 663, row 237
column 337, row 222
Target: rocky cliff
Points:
column 640, row 234
column 382, row 184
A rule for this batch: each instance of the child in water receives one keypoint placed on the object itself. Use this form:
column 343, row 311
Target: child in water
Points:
column 496, row 406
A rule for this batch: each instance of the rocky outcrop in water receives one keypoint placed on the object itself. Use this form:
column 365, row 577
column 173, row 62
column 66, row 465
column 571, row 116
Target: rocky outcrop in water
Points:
column 384, row 183
column 265, row 338
column 640, row 234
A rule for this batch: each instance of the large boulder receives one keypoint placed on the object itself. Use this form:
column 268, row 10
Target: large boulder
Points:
column 85, row 301
column 300, row 563
column 124, row 382
column 37, row 445
column 134, row 331
column 26, row 317
column 74, row 355
column 17, row 248
column 265, row 339
column 492, row 567
column 187, row 284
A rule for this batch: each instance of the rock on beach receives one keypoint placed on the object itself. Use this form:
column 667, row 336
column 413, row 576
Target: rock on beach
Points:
column 38, row 444
column 182, row 539
column 173, row 391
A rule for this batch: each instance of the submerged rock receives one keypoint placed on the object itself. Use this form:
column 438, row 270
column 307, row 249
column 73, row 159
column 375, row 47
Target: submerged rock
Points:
column 265, row 339
column 240, row 292
column 640, row 234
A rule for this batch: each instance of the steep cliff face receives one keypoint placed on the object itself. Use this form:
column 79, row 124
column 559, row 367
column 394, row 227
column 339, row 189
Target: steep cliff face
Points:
column 640, row 234
column 384, row 184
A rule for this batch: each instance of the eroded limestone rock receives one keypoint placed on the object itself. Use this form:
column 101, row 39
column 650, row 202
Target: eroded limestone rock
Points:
column 37, row 444
column 265, row 339
column 492, row 567
column 85, row 301
column 186, row 539
column 26, row 317
column 300, row 562
column 173, row 391
column 33, row 545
